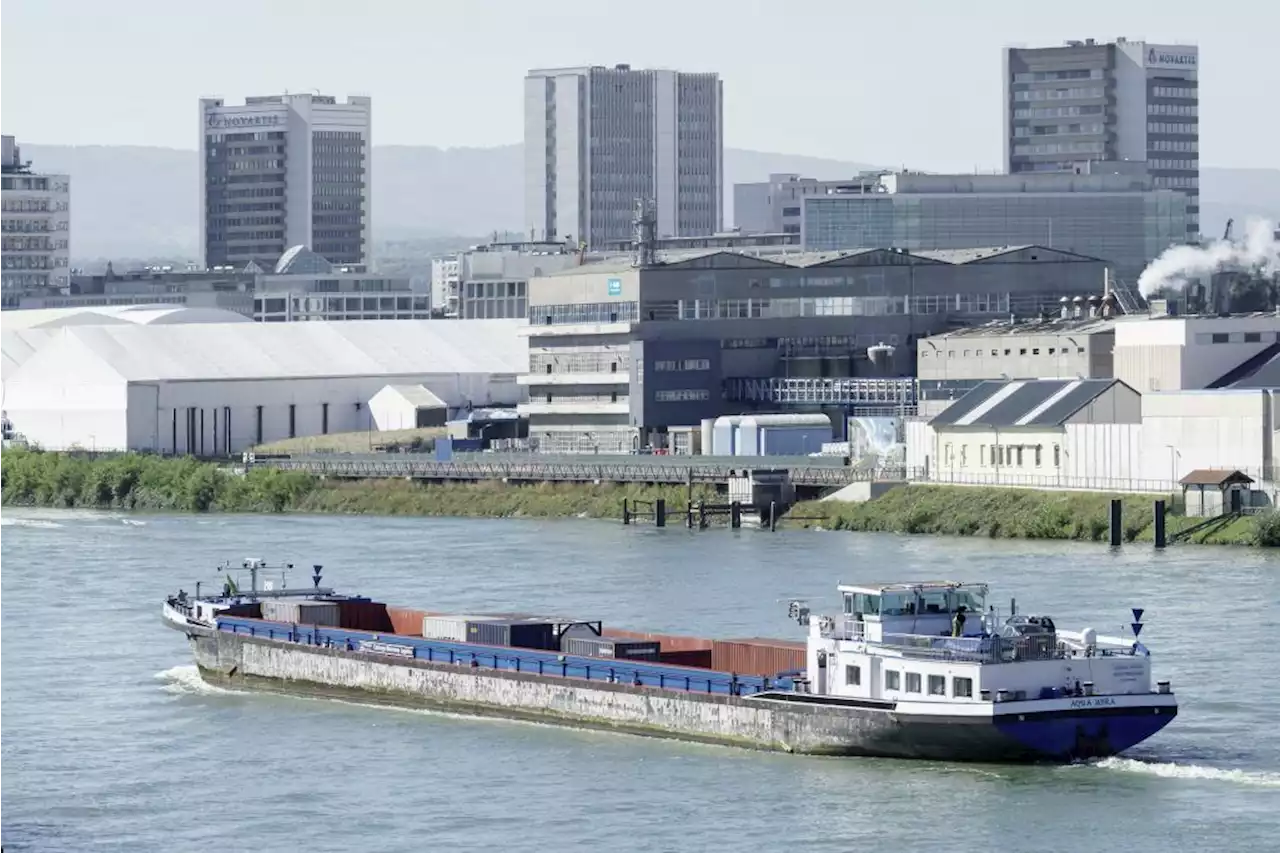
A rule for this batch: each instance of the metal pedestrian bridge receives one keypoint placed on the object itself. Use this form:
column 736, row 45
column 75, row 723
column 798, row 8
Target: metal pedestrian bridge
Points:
column 512, row 467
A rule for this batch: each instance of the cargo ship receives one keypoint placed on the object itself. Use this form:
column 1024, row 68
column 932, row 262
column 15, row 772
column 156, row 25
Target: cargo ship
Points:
column 924, row 670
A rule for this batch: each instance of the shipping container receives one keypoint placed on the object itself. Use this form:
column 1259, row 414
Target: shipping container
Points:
column 516, row 634
column 406, row 621
column 303, row 612
column 247, row 610
column 700, row 658
column 757, row 656
column 670, row 642
column 364, row 615
column 448, row 626
column 602, row 647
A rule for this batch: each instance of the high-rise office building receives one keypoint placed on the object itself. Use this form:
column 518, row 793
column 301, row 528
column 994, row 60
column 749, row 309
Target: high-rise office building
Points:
column 1122, row 100
column 282, row 171
column 597, row 138
column 36, row 227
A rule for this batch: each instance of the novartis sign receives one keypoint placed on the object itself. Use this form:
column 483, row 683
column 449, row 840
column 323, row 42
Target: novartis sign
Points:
column 1158, row 58
column 216, row 121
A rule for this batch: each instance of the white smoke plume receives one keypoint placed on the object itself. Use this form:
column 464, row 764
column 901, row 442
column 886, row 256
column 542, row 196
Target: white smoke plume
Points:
column 1258, row 249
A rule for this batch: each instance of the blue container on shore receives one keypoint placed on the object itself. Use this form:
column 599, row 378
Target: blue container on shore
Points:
column 446, row 447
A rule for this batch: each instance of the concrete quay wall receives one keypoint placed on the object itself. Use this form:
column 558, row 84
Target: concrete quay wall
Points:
column 239, row 661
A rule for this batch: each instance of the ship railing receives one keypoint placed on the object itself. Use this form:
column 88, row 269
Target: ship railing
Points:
column 980, row 649
column 533, row 662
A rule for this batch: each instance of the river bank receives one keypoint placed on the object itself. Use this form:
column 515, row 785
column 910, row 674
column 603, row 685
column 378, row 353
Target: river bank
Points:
column 154, row 484
column 1023, row 514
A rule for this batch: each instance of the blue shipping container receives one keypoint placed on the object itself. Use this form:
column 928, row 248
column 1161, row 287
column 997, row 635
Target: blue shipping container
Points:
column 446, row 447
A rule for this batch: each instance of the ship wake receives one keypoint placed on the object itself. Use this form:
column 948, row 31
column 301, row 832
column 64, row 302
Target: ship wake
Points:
column 1172, row 770
column 186, row 681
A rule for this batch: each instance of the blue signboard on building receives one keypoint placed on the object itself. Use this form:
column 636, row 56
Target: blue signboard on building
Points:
column 615, row 287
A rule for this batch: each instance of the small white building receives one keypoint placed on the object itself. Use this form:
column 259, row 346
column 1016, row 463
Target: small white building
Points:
column 1045, row 432
column 218, row 389
column 407, row 407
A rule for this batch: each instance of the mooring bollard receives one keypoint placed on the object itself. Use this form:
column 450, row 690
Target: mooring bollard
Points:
column 1159, row 513
column 1117, row 522
column 660, row 512
column 735, row 515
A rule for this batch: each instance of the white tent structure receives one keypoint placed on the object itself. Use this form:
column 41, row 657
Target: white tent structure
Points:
column 117, row 315
column 407, row 407
column 214, row 389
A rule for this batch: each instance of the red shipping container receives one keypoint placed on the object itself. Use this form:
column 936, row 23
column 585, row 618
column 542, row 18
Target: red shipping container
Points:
column 700, row 658
column 669, row 642
column 365, row 616
column 405, row 621
column 757, row 656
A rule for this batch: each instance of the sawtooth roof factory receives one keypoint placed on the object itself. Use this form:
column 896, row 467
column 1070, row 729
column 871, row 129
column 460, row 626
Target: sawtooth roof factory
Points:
column 621, row 350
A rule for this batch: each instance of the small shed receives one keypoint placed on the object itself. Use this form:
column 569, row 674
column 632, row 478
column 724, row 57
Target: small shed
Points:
column 1210, row 492
column 407, row 407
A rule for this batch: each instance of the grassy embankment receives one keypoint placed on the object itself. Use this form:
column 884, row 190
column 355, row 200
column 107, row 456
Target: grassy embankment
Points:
column 148, row 483
column 32, row 478
column 1022, row 514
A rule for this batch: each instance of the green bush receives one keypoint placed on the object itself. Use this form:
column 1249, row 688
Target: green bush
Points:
column 971, row 511
column 132, row 481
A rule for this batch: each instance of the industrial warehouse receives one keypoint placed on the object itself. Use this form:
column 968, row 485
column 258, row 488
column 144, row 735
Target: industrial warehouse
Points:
column 214, row 389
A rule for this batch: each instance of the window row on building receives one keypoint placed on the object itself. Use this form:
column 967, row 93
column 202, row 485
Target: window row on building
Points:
column 1001, row 455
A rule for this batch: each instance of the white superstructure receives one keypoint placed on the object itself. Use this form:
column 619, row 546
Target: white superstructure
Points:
column 903, row 643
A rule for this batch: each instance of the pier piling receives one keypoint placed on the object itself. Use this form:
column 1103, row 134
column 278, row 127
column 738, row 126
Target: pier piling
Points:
column 1117, row 522
column 1159, row 524
column 660, row 512
column 735, row 515
column 626, row 511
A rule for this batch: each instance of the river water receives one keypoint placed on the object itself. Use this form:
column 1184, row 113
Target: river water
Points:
column 111, row 742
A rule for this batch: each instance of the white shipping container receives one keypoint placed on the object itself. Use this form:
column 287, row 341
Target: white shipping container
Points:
column 302, row 612
column 450, row 627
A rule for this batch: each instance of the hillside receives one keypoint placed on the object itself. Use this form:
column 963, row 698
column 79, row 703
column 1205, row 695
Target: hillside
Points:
column 133, row 201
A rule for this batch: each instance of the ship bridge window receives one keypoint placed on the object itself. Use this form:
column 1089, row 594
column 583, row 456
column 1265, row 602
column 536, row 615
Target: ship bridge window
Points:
column 898, row 604
column 867, row 605
column 962, row 687
column 937, row 685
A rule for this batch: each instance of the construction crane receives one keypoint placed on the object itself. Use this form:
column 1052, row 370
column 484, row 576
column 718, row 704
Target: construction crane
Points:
column 1226, row 234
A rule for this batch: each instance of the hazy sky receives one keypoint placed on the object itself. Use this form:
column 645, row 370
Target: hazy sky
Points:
column 897, row 82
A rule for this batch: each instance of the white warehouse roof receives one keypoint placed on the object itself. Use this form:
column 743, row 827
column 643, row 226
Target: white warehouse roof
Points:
column 160, row 353
column 18, row 345
column 417, row 396
column 116, row 315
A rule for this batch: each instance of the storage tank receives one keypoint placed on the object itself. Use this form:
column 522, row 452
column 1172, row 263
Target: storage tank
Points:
column 724, row 434
column 748, row 439
column 708, row 436
column 792, row 435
